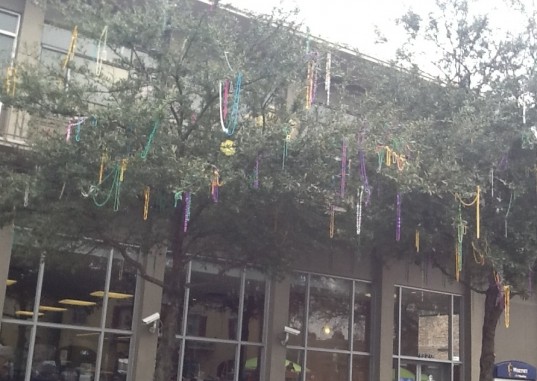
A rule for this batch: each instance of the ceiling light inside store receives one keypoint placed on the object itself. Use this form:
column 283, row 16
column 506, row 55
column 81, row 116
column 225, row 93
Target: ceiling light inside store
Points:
column 52, row 309
column 27, row 313
column 111, row 295
column 10, row 282
column 76, row 302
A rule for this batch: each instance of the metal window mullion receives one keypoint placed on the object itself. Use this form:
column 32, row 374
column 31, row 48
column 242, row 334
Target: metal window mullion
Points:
column 184, row 322
column 98, row 361
column 351, row 328
column 306, row 326
column 35, row 316
column 239, row 323
column 264, row 334
column 400, row 328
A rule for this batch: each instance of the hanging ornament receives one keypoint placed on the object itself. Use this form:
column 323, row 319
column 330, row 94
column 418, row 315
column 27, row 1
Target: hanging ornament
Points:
column 492, row 182
column 72, row 47
column 186, row 216
column 101, row 51
column 417, row 241
column 156, row 125
column 215, row 184
column 476, row 202
column 328, row 77
column 26, row 194
column 227, row 147
column 332, row 214
column 177, row 196
column 286, row 142
column 104, row 159
column 256, row 173
column 507, row 303
column 461, row 231
column 343, row 169
column 363, row 177
column 225, row 100
column 146, row 202
column 507, row 213
column 123, row 168
column 359, row 210
column 231, row 125
column 398, row 218
column 10, row 81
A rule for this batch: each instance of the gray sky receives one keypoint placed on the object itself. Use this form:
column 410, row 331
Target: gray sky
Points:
column 353, row 22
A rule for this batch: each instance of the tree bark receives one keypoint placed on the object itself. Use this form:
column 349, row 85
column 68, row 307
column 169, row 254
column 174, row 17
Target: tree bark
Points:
column 493, row 310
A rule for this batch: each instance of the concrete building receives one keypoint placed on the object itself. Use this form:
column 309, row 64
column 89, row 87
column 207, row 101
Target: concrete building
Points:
column 80, row 318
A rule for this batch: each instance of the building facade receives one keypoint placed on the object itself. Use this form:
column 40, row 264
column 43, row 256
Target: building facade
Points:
column 79, row 317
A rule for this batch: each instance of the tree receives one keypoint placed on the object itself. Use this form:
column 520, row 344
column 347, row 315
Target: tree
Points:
column 147, row 159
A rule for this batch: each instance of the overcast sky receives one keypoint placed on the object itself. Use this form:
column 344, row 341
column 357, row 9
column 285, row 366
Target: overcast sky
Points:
column 353, row 22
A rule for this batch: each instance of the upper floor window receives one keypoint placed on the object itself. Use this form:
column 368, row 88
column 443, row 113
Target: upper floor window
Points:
column 9, row 27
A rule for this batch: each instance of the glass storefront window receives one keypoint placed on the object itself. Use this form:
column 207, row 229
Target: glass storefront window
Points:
column 457, row 300
column 120, row 295
column 362, row 317
column 70, row 282
column 14, row 341
column 64, row 354
column 253, row 307
column 250, row 363
column 425, row 318
column 327, row 366
column 329, row 312
column 115, row 358
column 205, row 360
column 73, row 293
column 213, row 303
column 297, row 308
column 21, row 283
column 360, row 368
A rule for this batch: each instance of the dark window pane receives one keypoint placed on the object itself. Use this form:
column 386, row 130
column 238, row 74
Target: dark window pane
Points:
column 327, row 366
column 362, row 317
column 208, row 361
column 457, row 300
column 14, row 341
column 8, row 22
column 294, row 365
column 330, row 305
column 64, row 354
column 6, row 51
column 71, row 286
column 254, row 307
column 425, row 324
column 121, row 295
column 297, row 307
column 250, row 362
column 213, row 303
column 115, row 359
column 396, row 321
column 21, row 283
column 360, row 368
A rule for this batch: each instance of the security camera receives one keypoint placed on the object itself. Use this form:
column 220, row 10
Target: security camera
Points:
column 292, row 331
column 284, row 338
column 151, row 318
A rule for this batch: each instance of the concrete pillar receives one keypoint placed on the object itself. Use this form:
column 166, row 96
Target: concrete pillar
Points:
column 278, row 315
column 6, row 242
column 149, row 298
column 382, row 323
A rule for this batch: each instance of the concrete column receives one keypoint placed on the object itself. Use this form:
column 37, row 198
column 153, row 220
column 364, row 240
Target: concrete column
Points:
column 6, row 242
column 149, row 298
column 278, row 315
column 382, row 323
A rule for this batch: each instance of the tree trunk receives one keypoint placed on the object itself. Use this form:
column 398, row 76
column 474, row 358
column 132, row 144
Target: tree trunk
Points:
column 493, row 310
column 168, row 346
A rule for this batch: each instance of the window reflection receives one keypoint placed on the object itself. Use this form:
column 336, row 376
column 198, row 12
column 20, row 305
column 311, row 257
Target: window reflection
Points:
column 425, row 324
column 14, row 340
column 115, row 358
column 69, row 285
column 213, row 303
column 362, row 317
column 64, row 354
column 121, row 295
column 297, row 308
column 329, row 312
column 456, row 327
column 294, row 365
column 326, row 366
column 21, row 283
column 253, row 307
column 208, row 361
column 250, row 363
column 360, row 368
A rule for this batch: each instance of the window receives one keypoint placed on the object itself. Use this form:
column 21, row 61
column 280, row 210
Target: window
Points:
column 9, row 27
column 426, row 339
column 225, row 321
column 333, row 316
column 84, row 304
